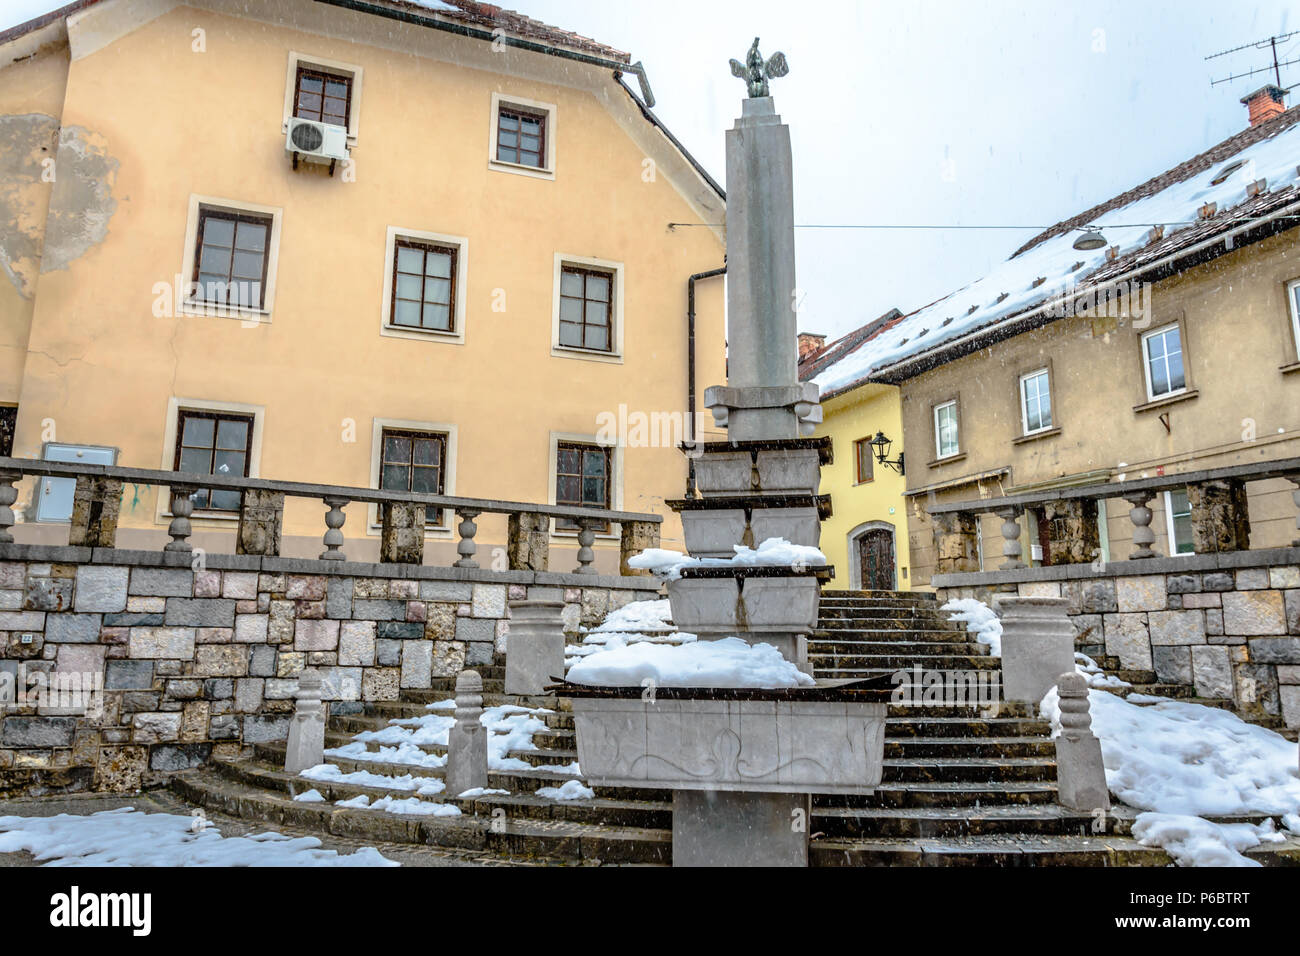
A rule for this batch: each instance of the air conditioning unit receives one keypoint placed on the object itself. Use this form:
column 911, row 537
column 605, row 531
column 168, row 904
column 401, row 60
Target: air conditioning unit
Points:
column 316, row 142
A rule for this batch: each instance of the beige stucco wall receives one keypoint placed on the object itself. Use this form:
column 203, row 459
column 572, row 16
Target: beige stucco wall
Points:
column 168, row 122
column 860, row 413
column 1241, row 362
column 31, row 99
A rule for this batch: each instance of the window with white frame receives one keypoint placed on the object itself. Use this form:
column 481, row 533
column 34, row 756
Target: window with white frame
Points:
column 945, row 430
column 323, row 90
column 1035, row 402
column 230, row 258
column 1162, row 360
column 413, row 456
column 587, row 309
column 1178, row 518
column 1293, row 300
column 424, row 285
column 522, row 136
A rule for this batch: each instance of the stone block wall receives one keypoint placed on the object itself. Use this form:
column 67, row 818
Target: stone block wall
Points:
column 1230, row 632
column 195, row 663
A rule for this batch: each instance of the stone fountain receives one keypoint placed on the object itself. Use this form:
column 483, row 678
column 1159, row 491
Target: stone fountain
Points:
column 743, row 762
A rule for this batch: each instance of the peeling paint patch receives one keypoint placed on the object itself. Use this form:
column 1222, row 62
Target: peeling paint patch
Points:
column 82, row 203
column 25, row 141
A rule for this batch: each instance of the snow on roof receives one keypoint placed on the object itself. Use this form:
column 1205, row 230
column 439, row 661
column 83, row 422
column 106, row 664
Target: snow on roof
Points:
column 1048, row 266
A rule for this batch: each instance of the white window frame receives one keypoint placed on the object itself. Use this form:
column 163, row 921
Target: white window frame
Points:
column 163, row 507
column 572, row 351
column 185, row 305
column 442, row 529
column 350, row 70
column 938, row 431
column 1168, row 499
column 519, row 169
column 615, row 479
column 1146, row 361
column 461, row 244
column 1024, row 402
column 1293, row 303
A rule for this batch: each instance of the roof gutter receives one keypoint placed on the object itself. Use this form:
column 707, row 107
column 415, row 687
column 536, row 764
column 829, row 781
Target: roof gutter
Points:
column 407, row 16
column 909, row 368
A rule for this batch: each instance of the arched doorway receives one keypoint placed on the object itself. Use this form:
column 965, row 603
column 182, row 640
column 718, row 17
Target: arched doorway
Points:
column 872, row 558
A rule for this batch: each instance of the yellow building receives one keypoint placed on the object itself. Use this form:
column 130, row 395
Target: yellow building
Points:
column 411, row 246
column 866, row 536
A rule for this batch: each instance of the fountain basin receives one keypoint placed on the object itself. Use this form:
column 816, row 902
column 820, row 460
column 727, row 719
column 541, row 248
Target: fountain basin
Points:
column 718, row 601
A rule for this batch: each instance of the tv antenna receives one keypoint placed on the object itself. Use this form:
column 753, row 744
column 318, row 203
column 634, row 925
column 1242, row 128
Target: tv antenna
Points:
column 1268, row 43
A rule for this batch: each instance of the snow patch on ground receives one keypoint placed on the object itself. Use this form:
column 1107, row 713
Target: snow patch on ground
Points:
column 311, row 796
column 409, row 806
column 981, row 620
column 729, row 662
column 129, row 837
column 1192, row 841
column 569, row 790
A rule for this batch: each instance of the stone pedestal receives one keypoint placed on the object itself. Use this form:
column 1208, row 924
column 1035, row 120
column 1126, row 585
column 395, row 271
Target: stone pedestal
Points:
column 1080, row 772
column 261, row 515
column 467, row 767
column 1037, row 645
column 1072, row 532
column 401, row 535
column 306, row 745
column 529, row 541
column 95, row 505
column 635, row 537
column 956, row 546
column 534, row 646
column 712, row 828
column 1220, row 516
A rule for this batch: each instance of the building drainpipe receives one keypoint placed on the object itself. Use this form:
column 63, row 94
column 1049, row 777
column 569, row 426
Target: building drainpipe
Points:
column 690, row 367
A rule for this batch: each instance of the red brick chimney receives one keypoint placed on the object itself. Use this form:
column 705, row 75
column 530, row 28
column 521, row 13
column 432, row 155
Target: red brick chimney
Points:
column 1265, row 103
column 810, row 342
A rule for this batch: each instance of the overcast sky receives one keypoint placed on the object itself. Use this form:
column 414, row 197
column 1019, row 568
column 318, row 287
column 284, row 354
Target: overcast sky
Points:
column 953, row 112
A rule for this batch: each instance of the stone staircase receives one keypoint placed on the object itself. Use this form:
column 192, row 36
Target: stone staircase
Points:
column 960, row 786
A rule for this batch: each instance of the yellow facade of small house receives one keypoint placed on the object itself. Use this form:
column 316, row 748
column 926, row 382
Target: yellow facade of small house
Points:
column 868, row 524
column 173, row 124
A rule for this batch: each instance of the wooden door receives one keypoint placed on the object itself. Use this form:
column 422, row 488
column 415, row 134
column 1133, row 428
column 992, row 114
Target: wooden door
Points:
column 876, row 559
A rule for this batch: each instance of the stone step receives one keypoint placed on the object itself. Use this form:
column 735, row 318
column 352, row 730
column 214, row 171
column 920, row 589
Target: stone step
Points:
column 920, row 724
column 969, row 769
column 447, row 685
column 916, row 747
column 877, row 662
column 900, row 647
column 854, row 631
column 950, row 793
column 998, row 850
column 989, row 680
column 423, row 696
column 928, row 822
column 825, row 613
column 510, row 838
column 849, row 593
column 1004, row 708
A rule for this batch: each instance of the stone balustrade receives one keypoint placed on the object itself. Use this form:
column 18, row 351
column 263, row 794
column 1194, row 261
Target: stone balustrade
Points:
column 98, row 497
column 1220, row 517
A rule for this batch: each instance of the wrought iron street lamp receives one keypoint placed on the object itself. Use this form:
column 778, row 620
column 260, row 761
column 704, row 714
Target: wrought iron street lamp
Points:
column 882, row 444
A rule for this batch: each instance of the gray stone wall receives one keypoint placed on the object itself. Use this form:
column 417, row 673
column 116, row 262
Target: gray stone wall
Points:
column 204, row 662
column 1230, row 632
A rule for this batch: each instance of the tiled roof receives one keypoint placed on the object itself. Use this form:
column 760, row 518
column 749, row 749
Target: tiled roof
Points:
column 828, row 355
column 1012, row 297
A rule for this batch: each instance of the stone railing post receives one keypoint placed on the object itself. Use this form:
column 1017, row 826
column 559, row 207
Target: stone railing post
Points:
column 401, row 534
column 1220, row 516
column 306, row 745
column 1011, row 549
column 1295, row 498
column 95, row 505
column 956, row 542
column 182, row 507
column 635, row 537
column 1140, row 515
column 529, row 541
column 1072, row 532
column 466, row 547
column 534, row 646
column 8, row 495
column 1080, row 772
column 261, row 516
column 334, row 519
column 467, row 767
column 586, row 538
column 1037, row 645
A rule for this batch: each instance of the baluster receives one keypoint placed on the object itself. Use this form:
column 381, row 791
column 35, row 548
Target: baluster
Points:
column 586, row 538
column 466, row 546
column 1010, row 538
column 182, row 508
column 8, row 495
column 1140, row 515
column 334, row 519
